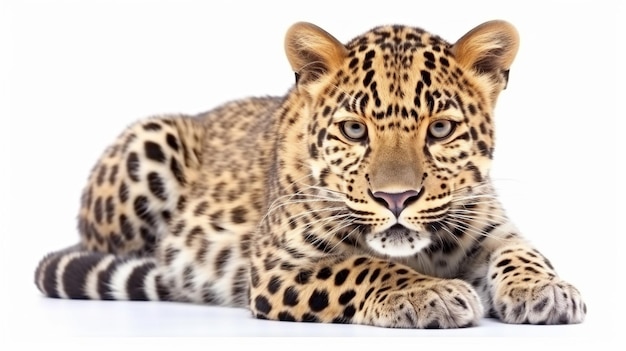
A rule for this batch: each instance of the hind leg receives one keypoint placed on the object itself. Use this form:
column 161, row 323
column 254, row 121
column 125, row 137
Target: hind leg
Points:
column 132, row 193
column 134, row 188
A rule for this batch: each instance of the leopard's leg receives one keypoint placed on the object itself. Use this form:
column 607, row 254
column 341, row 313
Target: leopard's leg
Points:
column 525, row 288
column 134, row 188
column 204, row 257
column 130, row 197
column 360, row 290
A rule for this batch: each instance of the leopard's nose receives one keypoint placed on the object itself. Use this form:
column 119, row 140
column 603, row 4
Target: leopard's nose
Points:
column 396, row 202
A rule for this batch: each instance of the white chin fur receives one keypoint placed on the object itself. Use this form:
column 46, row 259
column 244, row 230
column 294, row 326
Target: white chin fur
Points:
column 397, row 244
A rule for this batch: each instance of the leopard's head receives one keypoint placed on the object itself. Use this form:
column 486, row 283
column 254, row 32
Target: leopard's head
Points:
column 400, row 123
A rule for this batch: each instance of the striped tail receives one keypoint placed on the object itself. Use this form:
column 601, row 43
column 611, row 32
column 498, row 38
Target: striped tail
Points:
column 78, row 274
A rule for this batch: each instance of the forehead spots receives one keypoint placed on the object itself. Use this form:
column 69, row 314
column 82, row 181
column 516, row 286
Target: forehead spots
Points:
column 395, row 72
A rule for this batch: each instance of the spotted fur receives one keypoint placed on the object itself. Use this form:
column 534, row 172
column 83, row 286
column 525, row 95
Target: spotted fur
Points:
column 361, row 196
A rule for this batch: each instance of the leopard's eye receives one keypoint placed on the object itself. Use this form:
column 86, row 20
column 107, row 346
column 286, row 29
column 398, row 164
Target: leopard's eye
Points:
column 440, row 129
column 353, row 130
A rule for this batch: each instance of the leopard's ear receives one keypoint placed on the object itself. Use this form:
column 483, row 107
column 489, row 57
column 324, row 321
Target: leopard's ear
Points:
column 312, row 52
column 489, row 50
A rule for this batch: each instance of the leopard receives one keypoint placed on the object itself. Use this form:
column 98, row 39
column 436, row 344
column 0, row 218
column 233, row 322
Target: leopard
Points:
column 361, row 196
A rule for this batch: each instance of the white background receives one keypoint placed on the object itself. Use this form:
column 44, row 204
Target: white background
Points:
column 75, row 73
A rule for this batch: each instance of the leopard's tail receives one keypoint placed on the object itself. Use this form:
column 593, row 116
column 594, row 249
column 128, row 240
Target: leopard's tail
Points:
column 75, row 273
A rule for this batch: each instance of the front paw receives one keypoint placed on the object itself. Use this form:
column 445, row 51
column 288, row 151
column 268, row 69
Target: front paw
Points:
column 437, row 304
column 540, row 301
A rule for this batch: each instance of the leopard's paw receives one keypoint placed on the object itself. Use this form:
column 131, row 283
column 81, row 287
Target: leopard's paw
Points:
column 441, row 304
column 540, row 301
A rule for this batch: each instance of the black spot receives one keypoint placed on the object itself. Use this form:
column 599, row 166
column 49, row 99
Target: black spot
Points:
column 101, row 174
column 473, row 133
column 361, row 276
column 359, row 261
column 324, row 273
column 161, row 289
column 98, row 210
column 368, row 78
column 317, row 243
column 254, row 277
column 132, row 166
column 177, row 171
column 286, row 266
column 181, row 203
column 286, row 316
column 318, row 300
column 170, row 255
column 172, row 141
column 472, row 111
column 429, row 56
column 349, row 311
column 320, row 137
column 238, row 214
column 221, row 260
column 274, row 284
column 178, row 228
column 156, row 185
column 140, row 206
column 201, row 208
column 426, row 77
column 503, row 262
column 374, row 275
column 531, row 269
column 152, row 126
column 508, row 269
column 483, row 148
column 326, row 111
column 346, row 297
column 126, row 227
column 195, row 235
column 303, row 276
column 262, row 305
column 341, row 276
column 353, row 62
column 313, row 151
column 109, row 208
column 290, row 296
column 123, row 193
column 309, row 318
column 154, row 152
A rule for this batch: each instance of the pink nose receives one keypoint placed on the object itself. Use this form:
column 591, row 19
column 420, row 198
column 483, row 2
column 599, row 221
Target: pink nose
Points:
column 396, row 202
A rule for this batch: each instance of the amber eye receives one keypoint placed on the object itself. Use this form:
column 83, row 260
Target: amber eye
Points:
column 353, row 130
column 440, row 129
